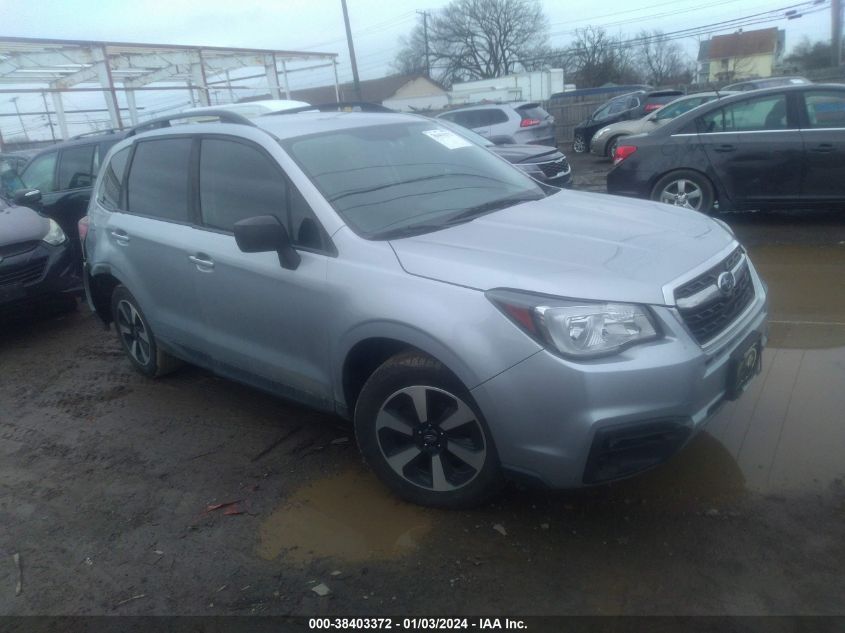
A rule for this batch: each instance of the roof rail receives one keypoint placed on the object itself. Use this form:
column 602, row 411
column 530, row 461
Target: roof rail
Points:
column 223, row 116
column 339, row 106
column 94, row 133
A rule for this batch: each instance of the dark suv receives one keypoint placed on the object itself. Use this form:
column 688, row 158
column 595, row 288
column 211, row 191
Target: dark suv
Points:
column 64, row 174
column 633, row 105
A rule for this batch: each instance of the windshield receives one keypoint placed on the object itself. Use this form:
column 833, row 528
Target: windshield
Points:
column 475, row 137
column 414, row 177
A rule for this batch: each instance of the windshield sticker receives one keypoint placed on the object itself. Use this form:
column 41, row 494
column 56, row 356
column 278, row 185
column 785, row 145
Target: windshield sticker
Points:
column 447, row 139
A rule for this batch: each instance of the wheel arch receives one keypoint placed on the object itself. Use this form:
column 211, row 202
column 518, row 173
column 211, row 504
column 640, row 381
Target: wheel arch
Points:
column 101, row 284
column 361, row 355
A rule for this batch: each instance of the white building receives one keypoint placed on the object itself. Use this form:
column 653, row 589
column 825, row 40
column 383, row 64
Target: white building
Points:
column 533, row 86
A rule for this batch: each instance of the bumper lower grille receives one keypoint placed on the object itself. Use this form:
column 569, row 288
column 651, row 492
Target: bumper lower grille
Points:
column 708, row 310
column 554, row 168
column 22, row 273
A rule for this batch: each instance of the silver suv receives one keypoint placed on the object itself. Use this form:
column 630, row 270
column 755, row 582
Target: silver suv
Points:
column 519, row 122
column 386, row 269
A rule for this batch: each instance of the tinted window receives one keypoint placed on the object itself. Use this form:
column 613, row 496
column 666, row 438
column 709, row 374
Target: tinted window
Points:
column 158, row 179
column 75, row 167
column 399, row 176
column 617, row 106
column 238, row 182
column 825, row 108
column 490, row 117
column 762, row 113
column 40, row 173
column 112, row 180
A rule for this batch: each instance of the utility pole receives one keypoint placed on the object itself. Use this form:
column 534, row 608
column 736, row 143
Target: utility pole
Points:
column 836, row 32
column 356, row 83
column 425, row 37
column 20, row 118
column 49, row 118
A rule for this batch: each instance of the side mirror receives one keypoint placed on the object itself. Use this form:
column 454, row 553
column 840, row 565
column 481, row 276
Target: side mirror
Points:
column 264, row 234
column 27, row 197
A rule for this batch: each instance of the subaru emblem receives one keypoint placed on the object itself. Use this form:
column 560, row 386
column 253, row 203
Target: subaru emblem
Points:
column 726, row 283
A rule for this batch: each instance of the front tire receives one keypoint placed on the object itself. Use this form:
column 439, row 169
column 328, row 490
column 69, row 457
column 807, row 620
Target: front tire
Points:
column 685, row 188
column 421, row 432
column 136, row 338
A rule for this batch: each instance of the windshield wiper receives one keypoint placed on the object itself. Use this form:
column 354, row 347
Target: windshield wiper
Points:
column 462, row 217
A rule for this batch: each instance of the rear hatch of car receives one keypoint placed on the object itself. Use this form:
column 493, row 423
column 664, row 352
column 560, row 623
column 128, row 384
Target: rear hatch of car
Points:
column 536, row 125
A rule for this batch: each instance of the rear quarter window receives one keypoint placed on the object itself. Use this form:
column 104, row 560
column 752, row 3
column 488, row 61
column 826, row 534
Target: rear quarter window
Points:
column 157, row 185
column 111, row 183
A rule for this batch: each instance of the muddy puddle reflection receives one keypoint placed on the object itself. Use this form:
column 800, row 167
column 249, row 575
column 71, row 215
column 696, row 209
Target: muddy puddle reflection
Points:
column 348, row 516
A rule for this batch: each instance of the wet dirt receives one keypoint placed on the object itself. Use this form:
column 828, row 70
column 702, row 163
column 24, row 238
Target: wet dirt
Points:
column 340, row 517
column 105, row 476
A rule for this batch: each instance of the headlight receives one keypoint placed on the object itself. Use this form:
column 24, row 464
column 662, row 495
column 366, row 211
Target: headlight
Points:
column 55, row 235
column 603, row 131
column 581, row 329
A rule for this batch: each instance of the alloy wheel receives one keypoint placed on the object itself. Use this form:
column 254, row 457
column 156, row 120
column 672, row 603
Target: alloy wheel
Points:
column 682, row 193
column 133, row 332
column 431, row 438
column 578, row 145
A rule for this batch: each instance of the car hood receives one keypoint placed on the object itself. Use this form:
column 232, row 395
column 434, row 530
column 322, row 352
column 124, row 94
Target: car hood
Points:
column 523, row 153
column 21, row 224
column 572, row 244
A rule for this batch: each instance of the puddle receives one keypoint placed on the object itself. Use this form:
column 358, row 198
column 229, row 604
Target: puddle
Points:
column 349, row 516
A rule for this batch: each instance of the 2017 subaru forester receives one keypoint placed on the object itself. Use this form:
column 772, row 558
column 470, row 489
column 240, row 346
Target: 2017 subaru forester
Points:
column 387, row 269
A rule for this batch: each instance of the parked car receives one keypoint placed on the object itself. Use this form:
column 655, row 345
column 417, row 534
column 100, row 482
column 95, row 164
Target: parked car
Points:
column 383, row 268
column 633, row 105
column 519, row 122
column 36, row 260
column 767, row 82
column 549, row 166
column 605, row 140
column 776, row 147
column 64, row 174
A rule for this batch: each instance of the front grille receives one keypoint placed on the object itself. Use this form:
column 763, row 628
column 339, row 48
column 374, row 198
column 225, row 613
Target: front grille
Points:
column 22, row 273
column 19, row 248
column 554, row 168
column 708, row 320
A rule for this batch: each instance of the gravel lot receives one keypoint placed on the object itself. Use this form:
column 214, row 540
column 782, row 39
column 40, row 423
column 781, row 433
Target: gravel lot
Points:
column 108, row 482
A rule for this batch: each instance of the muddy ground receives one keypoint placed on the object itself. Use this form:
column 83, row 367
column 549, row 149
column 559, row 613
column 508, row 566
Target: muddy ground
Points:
column 106, row 479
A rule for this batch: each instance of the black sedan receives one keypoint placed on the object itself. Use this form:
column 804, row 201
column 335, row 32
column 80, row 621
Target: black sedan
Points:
column 773, row 148
column 36, row 260
column 545, row 164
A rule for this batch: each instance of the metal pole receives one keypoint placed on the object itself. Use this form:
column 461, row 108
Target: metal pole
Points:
column 49, row 118
column 336, row 85
column 425, row 37
column 229, row 86
column 130, row 101
column 836, row 32
column 20, row 118
column 59, row 107
column 356, row 85
column 285, row 78
column 115, row 107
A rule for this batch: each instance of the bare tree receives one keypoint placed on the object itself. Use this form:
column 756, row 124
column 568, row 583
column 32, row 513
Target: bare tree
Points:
column 477, row 39
column 660, row 59
column 595, row 58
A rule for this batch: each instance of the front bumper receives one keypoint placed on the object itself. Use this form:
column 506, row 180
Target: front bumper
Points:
column 39, row 274
column 556, row 421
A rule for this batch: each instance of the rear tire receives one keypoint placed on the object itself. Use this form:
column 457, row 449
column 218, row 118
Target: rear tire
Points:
column 579, row 146
column 136, row 338
column 421, row 432
column 685, row 188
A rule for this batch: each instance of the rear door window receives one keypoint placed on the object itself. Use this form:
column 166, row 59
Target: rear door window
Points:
column 41, row 173
column 825, row 108
column 76, row 167
column 759, row 114
column 158, row 179
column 493, row 116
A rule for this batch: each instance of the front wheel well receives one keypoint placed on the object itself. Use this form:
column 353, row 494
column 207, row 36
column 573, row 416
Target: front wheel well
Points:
column 364, row 358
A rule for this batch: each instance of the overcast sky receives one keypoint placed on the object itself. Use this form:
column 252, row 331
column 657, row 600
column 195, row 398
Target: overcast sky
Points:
column 318, row 25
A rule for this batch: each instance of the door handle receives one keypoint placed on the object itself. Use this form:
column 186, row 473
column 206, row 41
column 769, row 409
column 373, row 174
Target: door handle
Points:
column 202, row 261
column 823, row 148
column 724, row 148
column 120, row 237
